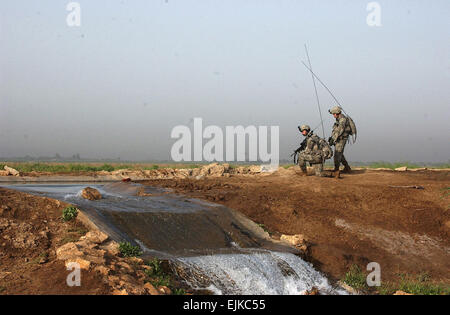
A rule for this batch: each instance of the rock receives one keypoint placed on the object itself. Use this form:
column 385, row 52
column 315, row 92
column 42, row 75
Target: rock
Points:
column 164, row 290
column 213, row 169
column 102, row 270
column 348, row 288
column 11, row 171
column 255, row 169
column 136, row 260
column 4, row 173
column 296, row 240
column 418, row 169
column 68, row 251
column 80, row 250
column 83, row 263
column 125, row 267
column 91, row 194
column 120, row 292
column 150, row 289
column 111, row 247
column 96, row 236
column 402, row 169
column 402, row 293
column 313, row 291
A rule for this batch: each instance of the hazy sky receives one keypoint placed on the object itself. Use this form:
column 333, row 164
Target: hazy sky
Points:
column 118, row 84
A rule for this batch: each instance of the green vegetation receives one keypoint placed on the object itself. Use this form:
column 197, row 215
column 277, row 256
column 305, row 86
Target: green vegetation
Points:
column 128, row 250
column 158, row 277
column 262, row 226
column 421, row 285
column 69, row 213
column 356, row 278
column 417, row 285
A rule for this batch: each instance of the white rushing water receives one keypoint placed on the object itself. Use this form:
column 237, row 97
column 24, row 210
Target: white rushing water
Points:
column 256, row 273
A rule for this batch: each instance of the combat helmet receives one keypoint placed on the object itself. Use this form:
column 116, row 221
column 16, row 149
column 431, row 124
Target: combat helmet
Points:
column 335, row 110
column 305, row 127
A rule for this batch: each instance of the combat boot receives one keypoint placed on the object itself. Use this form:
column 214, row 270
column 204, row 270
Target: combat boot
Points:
column 302, row 173
column 347, row 169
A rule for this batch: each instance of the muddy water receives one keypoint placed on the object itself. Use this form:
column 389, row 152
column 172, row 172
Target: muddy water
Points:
column 208, row 245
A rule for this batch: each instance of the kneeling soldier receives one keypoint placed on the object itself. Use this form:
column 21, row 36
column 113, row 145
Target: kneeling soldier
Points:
column 312, row 153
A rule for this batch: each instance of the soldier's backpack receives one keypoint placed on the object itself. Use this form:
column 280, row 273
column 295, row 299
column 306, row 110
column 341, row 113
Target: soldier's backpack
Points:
column 326, row 149
column 352, row 130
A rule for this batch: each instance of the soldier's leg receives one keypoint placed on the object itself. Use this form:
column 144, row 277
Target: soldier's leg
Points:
column 318, row 169
column 302, row 164
column 347, row 168
column 339, row 154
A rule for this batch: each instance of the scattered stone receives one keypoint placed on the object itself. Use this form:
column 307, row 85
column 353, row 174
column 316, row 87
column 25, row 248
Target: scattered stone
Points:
column 91, row 194
column 348, row 288
column 150, row 289
column 84, row 264
column 120, row 292
column 68, row 251
column 102, row 270
column 111, row 247
column 399, row 292
column 297, row 240
column 96, row 236
column 255, row 169
column 313, row 291
column 11, row 171
column 164, row 290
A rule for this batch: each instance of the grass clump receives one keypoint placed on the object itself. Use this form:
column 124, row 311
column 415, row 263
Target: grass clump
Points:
column 128, row 250
column 421, row 285
column 69, row 213
column 157, row 277
column 356, row 278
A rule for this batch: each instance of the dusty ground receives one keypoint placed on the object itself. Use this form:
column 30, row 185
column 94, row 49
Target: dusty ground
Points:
column 354, row 220
column 31, row 229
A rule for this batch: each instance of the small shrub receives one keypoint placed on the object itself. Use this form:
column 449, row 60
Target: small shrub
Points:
column 156, row 274
column 69, row 213
column 356, row 278
column 128, row 250
column 179, row 292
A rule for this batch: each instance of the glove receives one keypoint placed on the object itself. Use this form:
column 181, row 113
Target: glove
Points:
column 330, row 141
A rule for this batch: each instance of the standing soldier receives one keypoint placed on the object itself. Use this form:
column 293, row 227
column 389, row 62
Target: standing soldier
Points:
column 311, row 153
column 339, row 136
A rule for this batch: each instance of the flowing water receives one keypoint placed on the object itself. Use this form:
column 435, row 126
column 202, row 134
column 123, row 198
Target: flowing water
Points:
column 209, row 246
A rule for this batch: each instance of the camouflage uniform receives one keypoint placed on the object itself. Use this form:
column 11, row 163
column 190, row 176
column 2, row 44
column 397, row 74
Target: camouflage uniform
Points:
column 340, row 134
column 311, row 154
